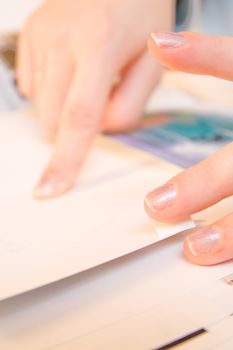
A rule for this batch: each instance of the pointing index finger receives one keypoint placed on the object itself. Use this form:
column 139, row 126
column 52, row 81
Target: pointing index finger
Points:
column 79, row 122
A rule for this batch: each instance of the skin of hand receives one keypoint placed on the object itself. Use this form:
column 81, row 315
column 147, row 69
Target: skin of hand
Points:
column 69, row 56
column 210, row 181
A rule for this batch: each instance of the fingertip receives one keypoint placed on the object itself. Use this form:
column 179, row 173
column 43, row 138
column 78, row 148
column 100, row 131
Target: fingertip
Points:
column 50, row 189
column 205, row 247
column 155, row 50
column 44, row 189
column 197, row 260
column 193, row 52
column 148, row 209
column 188, row 255
column 151, row 44
column 172, row 50
column 53, row 183
column 160, row 204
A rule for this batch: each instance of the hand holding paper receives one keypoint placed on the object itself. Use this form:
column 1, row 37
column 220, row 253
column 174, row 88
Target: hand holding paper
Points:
column 210, row 181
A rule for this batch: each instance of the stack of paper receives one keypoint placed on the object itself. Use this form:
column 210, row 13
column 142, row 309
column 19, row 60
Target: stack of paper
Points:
column 101, row 219
column 152, row 298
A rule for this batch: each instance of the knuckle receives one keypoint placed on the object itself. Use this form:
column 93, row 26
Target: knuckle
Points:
column 102, row 33
column 79, row 117
column 36, row 26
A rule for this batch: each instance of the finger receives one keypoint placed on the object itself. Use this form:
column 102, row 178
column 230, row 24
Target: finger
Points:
column 211, row 245
column 38, row 73
column 194, row 189
column 194, row 53
column 52, row 96
column 128, row 99
column 24, row 66
column 82, row 111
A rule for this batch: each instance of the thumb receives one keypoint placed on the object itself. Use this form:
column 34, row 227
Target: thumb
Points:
column 194, row 53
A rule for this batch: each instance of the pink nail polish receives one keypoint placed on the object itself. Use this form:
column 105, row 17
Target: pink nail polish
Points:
column 168, row 40
column 204, row 242
column 162, row 198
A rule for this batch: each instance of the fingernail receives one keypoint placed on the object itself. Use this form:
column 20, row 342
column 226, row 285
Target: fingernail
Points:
column 204, row 242
column 162, row 198
column 44, row 189
column 166, row 40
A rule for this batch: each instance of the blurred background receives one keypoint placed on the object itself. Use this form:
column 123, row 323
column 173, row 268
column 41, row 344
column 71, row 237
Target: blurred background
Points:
column 14, row 12
column 209, row 16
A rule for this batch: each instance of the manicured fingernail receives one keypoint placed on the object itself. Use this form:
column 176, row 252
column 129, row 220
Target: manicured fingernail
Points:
column 204, row 242
column 162, row 198
column 166, row 40
column 44, row 189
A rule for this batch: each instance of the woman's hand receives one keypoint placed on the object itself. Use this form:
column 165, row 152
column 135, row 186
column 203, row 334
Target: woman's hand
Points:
column 211, row 180
column 69, row 55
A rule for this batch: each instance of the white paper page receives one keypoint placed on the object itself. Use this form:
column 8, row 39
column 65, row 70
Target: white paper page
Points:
column 102, row 219
column 155, row 288
column 204, row 316
column 79, row 312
